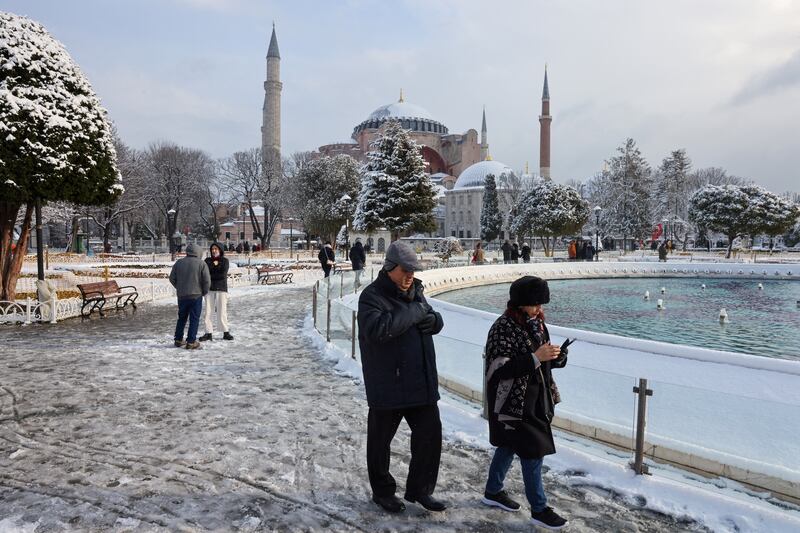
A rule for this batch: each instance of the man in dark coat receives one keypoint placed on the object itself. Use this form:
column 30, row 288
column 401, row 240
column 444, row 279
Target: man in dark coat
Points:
column 589, row 252
column 526, row 253
column 217, row 297
column 395, row 329
column 521, row 397
column 358, row 259
column 327, row 258
column 506, row 252
column 515, row 253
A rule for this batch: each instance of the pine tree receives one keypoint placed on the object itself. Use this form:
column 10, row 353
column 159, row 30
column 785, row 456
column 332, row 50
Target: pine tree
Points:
column 628, row 183
column 491, row 219
column 672, row 191
column 396, row 193
column 55, row 139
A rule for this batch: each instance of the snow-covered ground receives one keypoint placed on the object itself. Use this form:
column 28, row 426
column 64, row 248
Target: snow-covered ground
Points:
column 105, row 426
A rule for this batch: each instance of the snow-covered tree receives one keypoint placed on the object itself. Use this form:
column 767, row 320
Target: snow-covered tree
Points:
column 792, row 237
column 55, row 138
column 447, row 248
column 491, row 219
column 342, row 237
column 671, row 193
column 396, row 193
column 550, row 210
column 323, row 193
column 770, row 214
column 722, row 209
column 626, row 187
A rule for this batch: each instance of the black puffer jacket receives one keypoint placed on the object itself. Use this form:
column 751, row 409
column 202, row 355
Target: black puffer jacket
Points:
column 219, row 271
column 357, row 256
column 399, row 361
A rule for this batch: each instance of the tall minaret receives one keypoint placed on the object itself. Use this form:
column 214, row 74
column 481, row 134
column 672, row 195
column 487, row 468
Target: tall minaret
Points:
column 271, row 126
column 484, row 139
column 544, row 131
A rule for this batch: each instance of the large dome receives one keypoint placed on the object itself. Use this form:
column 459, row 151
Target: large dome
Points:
column 475, row 175
column 411, row 117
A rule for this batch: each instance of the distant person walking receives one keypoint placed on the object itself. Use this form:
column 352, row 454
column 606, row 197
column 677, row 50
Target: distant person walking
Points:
column 526, row 253
column 358, row 258
column 217, row 297
column 662, row 252
column 588, row 252
column 395, row 331
column 506, row 252
column 572, row 250
column 521, row 397
column 515, row 253
column 327, row 258
column 191, row 279
column 478, row 255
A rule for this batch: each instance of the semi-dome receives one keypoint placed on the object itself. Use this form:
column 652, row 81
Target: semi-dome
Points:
column 475, row 175
column 411, row 117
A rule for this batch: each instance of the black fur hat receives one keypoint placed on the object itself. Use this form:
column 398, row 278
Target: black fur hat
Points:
column 529, row 290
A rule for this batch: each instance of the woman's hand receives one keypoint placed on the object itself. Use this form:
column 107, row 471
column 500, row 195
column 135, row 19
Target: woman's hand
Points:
column 547, row 352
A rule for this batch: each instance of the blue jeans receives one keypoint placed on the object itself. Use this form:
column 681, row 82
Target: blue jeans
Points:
column 190, row 308
column 531, row 475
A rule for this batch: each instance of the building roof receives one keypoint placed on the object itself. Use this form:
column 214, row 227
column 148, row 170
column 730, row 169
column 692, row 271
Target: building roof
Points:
column 401, row 109
column 546, row 88
column 273, row 45
column 474, row 175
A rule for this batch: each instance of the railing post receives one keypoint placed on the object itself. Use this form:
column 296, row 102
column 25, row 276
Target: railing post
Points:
column 341, row 284
column 53, row 307
column 27, row 310
column 328, row 326
column 314, row 304
column 353, row 336
column 485, row 400
column 641, row 420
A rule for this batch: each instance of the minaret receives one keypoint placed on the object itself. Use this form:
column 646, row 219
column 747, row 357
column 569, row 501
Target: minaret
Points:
column 484, row 140
column 271, row 126
column 544, row 131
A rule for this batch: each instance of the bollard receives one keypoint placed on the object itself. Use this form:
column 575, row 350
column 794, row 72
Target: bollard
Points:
column 641, row 419
column 314, row 304
column 27, row 310
column 53, row 308
column 353, row 336
column 328, row 327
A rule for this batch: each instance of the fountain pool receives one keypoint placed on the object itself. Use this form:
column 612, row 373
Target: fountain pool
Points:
column 762, row 321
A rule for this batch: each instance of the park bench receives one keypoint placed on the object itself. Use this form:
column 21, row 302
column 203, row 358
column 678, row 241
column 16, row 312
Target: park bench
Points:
column 273, row 277
column 95, row 296
column 342, row 267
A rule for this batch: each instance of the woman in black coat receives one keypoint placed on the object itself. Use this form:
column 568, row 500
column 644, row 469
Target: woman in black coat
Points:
column 217, row 298
column 521, row 397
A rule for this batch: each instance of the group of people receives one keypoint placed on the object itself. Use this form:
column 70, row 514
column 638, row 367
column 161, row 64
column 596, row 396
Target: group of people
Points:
column 512, row 252
column 357, row 256
column 395, row 332
column 581, row 250
column 194, row 280
column 664, row 249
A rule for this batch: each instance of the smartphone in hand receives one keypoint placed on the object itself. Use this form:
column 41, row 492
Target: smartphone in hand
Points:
column 566, row 344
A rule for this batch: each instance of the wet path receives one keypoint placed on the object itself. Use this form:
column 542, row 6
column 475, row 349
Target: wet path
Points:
column 104, row 425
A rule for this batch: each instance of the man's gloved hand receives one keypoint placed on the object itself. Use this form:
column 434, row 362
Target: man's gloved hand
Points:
column 420, row 310
column 427, row 324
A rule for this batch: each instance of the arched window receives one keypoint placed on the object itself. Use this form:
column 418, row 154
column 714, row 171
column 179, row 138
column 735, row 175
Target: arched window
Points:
column 381, row 245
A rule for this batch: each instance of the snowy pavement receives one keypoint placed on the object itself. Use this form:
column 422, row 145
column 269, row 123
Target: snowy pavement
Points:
column 104, row 425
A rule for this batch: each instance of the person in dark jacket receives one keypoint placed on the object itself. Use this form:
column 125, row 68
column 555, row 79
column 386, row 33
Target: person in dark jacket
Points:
column 662, row 251
column 239, row 248
column 506, row 252
column 191, row 279
column 327, row 258
column 526, row 253
column 217, row 297
column 515, row 253
column 589, row 252
column 395, row 332
column 521, row 397
column 358, row 258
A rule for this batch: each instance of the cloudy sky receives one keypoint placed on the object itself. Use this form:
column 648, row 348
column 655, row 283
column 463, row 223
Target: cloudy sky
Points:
column 719, row 78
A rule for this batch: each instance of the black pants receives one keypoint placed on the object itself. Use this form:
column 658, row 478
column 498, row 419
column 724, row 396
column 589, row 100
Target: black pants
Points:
column 426, row 449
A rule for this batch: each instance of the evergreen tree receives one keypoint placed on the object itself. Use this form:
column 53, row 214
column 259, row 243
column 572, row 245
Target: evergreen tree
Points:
column 491, row 219
column 55, row 139
column 626, row 203
column 396, row 193
column 672, row 191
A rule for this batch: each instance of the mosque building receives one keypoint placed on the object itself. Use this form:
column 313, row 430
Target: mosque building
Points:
column 458, row 163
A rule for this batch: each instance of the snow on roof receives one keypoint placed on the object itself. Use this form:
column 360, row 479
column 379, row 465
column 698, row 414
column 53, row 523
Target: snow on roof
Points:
column 401, row 110
column 474, row 175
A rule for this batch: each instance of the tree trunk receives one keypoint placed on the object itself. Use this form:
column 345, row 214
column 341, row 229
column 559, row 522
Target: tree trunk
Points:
column 11, row 260
column 730, row 246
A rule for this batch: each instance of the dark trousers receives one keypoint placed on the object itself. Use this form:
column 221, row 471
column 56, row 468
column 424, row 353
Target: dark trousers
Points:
column 426, row 449
column 327, row 270
column 188, row 308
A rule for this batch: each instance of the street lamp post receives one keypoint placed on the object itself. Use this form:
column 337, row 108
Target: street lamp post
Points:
column 171, row 223
column 597, row 210
column 291, row 235
column 345, row 199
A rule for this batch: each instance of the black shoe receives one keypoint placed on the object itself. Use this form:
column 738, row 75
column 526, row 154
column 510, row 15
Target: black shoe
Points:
column 548, row 519
column 428, row 502
column 500, row 500
column 227, row 336
column 206, row 337
column 391, row 504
